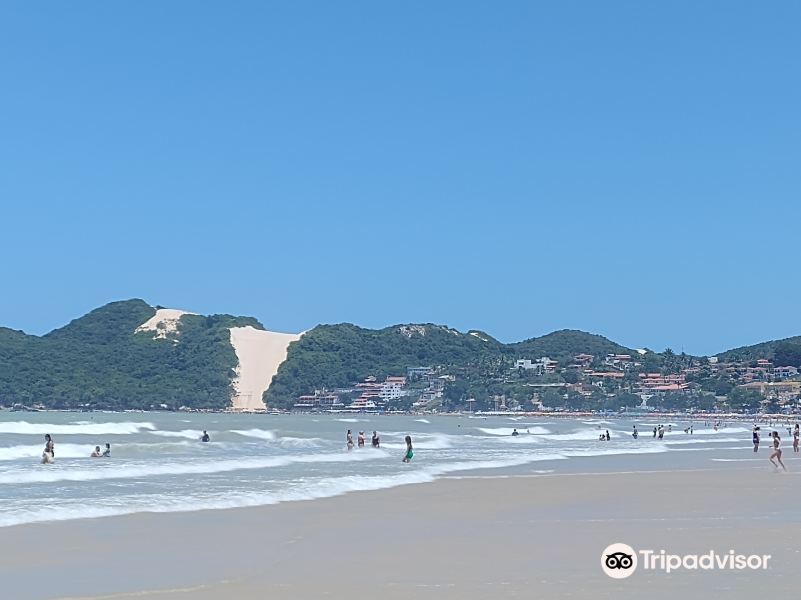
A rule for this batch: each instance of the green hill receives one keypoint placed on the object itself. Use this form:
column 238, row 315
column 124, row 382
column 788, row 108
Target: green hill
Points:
column 331, row 356
column 98, row 361
column 786, row 352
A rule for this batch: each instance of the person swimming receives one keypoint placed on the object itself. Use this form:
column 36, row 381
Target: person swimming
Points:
column 777, row 451
column 409, row 450
column 96, row 452
column 49, row 454
column 205, row 437
column 107, row 451
column 376, row 440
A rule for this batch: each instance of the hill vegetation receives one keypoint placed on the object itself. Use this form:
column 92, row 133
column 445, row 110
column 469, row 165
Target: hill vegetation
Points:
column 100, row 362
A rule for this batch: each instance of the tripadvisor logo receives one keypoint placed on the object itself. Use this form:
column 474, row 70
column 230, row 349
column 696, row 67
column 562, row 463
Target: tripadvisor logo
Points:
column 621, row 560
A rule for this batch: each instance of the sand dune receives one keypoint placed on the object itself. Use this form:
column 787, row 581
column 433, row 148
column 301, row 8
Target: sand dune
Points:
column 164, row 322
column 260, row 353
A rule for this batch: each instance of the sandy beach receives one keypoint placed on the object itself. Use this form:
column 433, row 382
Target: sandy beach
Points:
column 475, row 537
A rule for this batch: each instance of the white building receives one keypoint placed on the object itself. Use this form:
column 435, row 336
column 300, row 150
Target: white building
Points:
column 393, row 388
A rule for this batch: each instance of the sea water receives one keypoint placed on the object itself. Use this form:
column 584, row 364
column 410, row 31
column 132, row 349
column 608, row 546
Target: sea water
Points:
column 159, row 464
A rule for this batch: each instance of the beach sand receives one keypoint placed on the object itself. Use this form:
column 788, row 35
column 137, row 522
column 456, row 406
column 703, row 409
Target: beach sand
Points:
column 483, row 537
column 260, row 353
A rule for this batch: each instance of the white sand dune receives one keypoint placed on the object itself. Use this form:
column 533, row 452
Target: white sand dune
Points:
column 164, row 322
column 260, row 353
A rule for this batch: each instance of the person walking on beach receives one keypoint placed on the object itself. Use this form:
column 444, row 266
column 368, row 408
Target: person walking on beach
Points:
column 376, row 440
column 49, row 454
column 796, row 434
column 360, row 439
column 107, row 451
column 777, row 451
column 349, row 440
column 409, row 450
column 755, row 438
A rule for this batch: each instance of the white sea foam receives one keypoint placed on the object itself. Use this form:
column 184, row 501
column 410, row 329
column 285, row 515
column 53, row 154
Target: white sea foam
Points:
column 423, row 421
column 75, row 428
column 189, row 434
column 35, row 451
column 423, row 442
column 295, row 442
column 582, row 435
column 261, row 434
column 58, row 472
column 353, row 420
column 509, row 430
column 306, row 490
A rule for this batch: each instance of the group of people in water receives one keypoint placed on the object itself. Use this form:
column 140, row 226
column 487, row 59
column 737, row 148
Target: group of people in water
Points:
column 49, row 453
column 777, row 443
column 376, row 443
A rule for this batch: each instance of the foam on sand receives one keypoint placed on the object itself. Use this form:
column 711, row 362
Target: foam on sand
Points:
column 260, row 353
column 164, row 322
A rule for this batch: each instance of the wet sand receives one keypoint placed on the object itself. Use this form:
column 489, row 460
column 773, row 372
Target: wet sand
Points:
column 482, row 537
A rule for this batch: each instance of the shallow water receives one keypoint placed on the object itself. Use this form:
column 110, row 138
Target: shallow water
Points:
column 158, row 463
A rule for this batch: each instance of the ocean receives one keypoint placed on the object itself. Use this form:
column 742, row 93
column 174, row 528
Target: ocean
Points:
column 158, row 464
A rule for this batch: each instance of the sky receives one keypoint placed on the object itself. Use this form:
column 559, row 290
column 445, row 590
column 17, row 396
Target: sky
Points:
column 627, row 168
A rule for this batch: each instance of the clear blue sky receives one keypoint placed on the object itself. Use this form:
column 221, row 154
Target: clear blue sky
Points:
column 627, row 168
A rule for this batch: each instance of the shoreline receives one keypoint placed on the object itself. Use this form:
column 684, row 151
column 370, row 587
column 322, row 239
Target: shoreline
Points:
column 466, row 537
column 534, row 414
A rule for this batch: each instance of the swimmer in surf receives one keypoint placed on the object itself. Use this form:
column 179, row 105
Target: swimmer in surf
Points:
column 49, row 454
column 409, row 450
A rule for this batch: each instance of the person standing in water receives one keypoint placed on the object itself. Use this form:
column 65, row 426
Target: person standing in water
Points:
column 376, row 440
column 608, row 437
column 49, row 454
column 409, row 450
column 755, row 438
column 205, row 437
column 360, row 439
column 796, row 435
column 96, row 452
column 635, row 435
column 515, row 432
column 107, row 451
column 777, row 451
column 349, row 440
column 654, row 431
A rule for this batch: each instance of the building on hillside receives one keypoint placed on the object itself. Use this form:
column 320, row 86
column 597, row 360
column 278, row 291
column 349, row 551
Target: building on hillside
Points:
column 583, row 361
column 419, row 372
column 393, row 388
column 782, row 373
column 541, row 366
column 320, row 400
column 656, row 382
